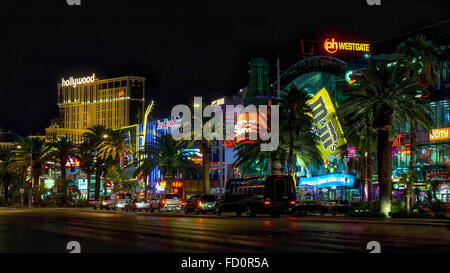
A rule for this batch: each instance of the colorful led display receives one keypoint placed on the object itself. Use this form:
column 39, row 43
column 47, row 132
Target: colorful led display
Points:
column 330, row 180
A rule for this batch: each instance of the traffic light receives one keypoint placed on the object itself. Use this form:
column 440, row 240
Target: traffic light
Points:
column 125, row 161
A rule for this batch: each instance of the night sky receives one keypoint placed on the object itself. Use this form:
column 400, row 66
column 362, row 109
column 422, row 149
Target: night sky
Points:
column 182, row 48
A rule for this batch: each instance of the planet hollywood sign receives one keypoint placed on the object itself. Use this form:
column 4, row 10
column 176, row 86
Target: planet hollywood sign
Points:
column 74, row 82
column 168, row 124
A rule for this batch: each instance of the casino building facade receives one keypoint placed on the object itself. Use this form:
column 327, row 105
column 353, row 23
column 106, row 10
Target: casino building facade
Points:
column 88, row 101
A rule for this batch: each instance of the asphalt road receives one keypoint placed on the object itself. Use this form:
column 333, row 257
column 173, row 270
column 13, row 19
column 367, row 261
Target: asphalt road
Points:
column 49, row 230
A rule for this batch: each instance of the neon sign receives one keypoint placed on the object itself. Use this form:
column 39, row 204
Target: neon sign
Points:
column 74, row 82
column 332, row 46
column 330, row 180
column 439, row 134
column 167, row 124
column 351, row 75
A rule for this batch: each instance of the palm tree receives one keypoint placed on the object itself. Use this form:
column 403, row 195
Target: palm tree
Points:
column 296, row 137
column 87, row 164
column 115, row 146
column 385, row 95
column 295, row 127
column 420, row 57
column 360, row 133
column 94, row 137
column 111, row 150
column 164, row 152
column 61, row 148
column 7, row 175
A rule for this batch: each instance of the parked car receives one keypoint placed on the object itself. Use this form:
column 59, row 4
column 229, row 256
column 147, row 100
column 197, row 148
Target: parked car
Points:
column 166, row 202
column 340, row 206
column 121, row 200
column 137, row 204
column 106, row 203
column 273, row 194
column 200, row 204
column 311, row 206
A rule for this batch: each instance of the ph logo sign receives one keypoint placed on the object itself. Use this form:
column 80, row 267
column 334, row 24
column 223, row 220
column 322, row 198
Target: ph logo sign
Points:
column 374, row 2
column 73, row 2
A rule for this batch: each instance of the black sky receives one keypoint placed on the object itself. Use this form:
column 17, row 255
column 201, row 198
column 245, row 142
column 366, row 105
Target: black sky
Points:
column 183, row 48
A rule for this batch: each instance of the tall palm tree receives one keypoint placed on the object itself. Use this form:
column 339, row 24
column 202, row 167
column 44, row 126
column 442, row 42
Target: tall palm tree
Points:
column 296, row 137
column 420, row 57
column 40, row 150
column 94, row 137
column 111, row 150
column 115, row 146
column 61, row 148
column 7, row 175
column 360, row 133
column 385, row 94
column 87, row 163
column 295, row 127
column 164, row 152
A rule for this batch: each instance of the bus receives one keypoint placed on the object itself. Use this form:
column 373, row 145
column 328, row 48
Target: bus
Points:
column 273, row 194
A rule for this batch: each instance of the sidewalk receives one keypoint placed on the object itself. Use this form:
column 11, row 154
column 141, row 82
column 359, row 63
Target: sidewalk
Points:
column 397, row 221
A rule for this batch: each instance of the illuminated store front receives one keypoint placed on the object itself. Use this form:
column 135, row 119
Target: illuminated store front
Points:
column 328, row 187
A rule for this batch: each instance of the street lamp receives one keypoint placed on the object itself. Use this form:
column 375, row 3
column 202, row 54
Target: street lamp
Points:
column 105, row 136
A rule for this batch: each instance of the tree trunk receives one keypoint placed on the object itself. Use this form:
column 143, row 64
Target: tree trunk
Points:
column 98, row 173
column 370, row 168
column 362, row 171
column 276, row 164
column 412, row 163
column 384, row 163
column 291, row 152
column 88, row 188
column 169, row 185
column 204, row 149
column 63, row 168
column 6, row 184
column 145, row 187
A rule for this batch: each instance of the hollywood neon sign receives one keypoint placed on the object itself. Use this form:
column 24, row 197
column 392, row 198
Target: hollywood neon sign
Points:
column 74, row 82
column 332, row 46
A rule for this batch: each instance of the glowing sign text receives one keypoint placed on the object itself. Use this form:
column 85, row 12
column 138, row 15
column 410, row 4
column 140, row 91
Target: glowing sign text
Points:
column 74, row 82
column 439, row 134
column 332, row 46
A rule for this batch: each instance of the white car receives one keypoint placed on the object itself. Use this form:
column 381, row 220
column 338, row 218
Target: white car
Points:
column 167, row 202
column 121, row 200
column 106, row 203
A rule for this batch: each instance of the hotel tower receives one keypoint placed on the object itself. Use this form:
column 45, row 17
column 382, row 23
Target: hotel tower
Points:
column 87, row 101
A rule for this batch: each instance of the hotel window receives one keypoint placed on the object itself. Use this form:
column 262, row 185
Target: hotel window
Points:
column 110, row 84
column 104, row 85
column 116, row 84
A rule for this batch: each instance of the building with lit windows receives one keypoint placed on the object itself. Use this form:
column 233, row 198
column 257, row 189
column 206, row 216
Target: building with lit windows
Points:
column 88, row 101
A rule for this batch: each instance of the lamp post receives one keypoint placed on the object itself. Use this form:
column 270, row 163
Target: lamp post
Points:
column 31, row 167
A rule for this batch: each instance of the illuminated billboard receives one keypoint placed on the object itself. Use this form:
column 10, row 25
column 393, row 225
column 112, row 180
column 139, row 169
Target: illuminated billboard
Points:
column 327, row 126
column 330, row 180
column 439, row 134
column 332, row 46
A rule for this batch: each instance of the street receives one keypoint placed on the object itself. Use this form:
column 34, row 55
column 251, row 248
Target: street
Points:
column 50, row 229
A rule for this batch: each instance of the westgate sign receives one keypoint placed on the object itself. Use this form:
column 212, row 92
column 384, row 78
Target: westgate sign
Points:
column 74, row 82
column 332, row 46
